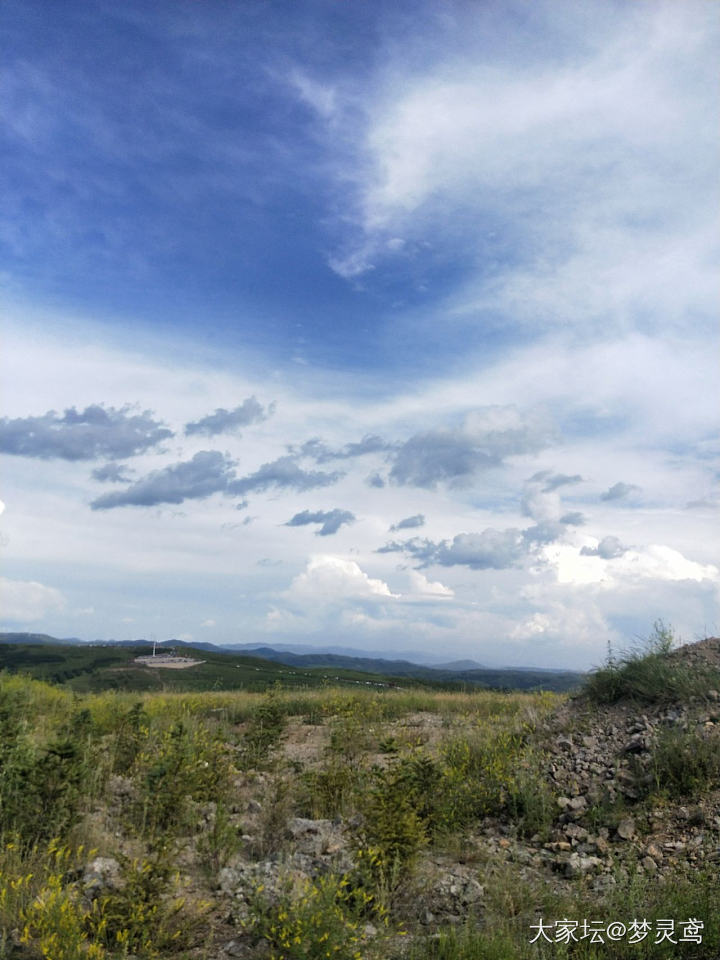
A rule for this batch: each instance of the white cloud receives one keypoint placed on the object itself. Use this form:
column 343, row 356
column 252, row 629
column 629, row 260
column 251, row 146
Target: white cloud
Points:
column 631, row 566
column 321, row 97
column 335, row 578
column 419, row 584
column 581, row 168
column 208, row 623
column 617, row 419
column 26, row 600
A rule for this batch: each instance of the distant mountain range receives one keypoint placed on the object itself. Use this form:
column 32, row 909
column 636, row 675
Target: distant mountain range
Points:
column 458, row 672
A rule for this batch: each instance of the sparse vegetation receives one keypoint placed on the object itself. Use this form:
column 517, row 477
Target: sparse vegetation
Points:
column 307, row 824
column 649, row 674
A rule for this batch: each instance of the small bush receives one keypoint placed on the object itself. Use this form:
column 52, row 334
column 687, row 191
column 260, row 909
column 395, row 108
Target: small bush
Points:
column 265, row 731
column 219, row 844
column 313, row 921
column 181, row 764
column 145, row 916
column 42, row 790
column 55, row 923
column 393, row 822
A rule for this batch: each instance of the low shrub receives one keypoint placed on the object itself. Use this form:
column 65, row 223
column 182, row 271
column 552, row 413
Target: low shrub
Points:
column 145, row 915
column 310, row 920
column 182, row 763
column 264, row 732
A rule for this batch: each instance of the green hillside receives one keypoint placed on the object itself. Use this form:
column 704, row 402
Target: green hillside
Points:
column 94, row 668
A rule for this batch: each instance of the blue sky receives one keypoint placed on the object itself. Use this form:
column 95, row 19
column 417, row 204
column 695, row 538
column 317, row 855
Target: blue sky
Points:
column 277, row 278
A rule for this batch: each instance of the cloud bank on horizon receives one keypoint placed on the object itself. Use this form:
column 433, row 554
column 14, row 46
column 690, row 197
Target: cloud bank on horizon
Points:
column 434, row 284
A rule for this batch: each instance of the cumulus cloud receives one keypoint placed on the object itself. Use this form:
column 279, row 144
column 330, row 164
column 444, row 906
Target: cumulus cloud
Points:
column 488, row 435
column 332, row 577
column 223, row 421
column 427, row 459
column 283, row 473
column 660, row 562
column 208, row 472
column 26, row 600
column 113, row 473
column 546, row 532
column 609, row 548
column 331, row 520
column 419, row 584
column 375, row 480
column 418, row 520
column 490, row 549
column 574, row 518
column 96, row 431
column 619, row 491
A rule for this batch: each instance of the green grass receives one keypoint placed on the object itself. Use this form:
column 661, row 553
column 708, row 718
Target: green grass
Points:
column 165, row 782
column 649, row 674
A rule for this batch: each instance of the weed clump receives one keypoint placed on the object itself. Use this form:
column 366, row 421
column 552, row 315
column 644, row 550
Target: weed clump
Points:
column 648, row 673
column 683, row 764
column 312, row 921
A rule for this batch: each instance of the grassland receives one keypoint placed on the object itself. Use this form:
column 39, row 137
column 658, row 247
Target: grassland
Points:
column 356, row 823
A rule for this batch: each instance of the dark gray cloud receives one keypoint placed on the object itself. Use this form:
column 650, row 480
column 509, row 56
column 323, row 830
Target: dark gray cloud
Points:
column 375, row 480
column 551, row 481
column 619, row 490
column 223, row 421
column 331, row 520
column 94, row 432
column 409, row 522
column 208, row 472
column 321, row 453
column 609, row 548
column 282, row 473
column 573, row 519
column 113, row 473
